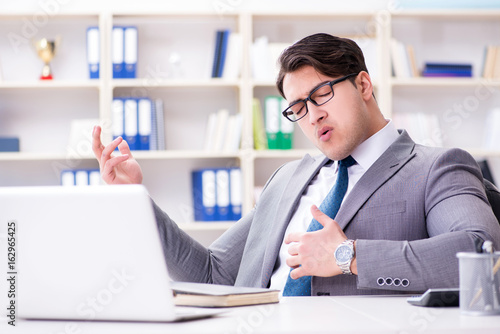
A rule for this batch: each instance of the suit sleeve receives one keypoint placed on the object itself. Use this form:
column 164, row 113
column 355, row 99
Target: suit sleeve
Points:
column 457, row 215
column 189, row 261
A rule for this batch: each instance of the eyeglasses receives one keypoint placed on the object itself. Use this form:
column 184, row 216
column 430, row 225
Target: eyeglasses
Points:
column 319, row 96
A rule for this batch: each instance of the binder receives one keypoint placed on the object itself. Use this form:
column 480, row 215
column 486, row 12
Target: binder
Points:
column 81, row 178
column 117, row 119
column 67, row 178
column 235, row 193
column 117, row 51
column 130, row 52
column 222, row 194
column 286, row 128
column 131, row 123
column 272, row 121
column 204, row 195
column 93, row 52
column 94, row 177
column 145, row 123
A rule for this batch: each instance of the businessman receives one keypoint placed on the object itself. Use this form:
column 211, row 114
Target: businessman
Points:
column 405, row 209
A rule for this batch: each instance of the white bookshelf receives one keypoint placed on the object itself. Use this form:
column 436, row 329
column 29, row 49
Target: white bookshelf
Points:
column 175, row 59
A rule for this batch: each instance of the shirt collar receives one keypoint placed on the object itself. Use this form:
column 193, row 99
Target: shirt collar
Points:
column 372, row 148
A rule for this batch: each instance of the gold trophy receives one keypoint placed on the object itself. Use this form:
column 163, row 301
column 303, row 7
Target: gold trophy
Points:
column 46, row 50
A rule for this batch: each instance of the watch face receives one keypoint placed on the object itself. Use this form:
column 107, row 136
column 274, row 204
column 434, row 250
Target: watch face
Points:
column 343, row 254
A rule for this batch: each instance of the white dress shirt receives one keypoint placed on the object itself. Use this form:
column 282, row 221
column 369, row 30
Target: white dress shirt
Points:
column 365, row 155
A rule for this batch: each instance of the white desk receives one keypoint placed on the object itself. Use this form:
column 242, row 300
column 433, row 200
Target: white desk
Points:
column 294, row 315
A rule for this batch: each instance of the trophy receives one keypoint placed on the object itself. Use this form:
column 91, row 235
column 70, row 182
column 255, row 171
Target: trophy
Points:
column 46, row 50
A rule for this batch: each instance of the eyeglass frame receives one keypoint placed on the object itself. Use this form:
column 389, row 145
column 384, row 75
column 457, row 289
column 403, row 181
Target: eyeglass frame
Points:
column 308, row 98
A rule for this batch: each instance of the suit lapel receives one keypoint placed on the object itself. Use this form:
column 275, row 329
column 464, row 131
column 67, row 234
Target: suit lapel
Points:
column 305, row 172
column 393, row 159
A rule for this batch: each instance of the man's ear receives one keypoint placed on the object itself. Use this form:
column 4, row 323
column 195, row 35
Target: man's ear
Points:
column 364, row 83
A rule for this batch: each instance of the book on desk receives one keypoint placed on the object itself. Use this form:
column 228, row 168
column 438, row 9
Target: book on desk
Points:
column 215, row 295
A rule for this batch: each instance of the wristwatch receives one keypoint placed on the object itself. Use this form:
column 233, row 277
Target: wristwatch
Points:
column 344, row 255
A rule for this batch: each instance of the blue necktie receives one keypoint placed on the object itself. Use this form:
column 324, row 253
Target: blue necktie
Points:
column 330, row 206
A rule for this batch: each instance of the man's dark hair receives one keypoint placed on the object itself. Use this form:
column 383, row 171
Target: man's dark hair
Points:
column 329, row 55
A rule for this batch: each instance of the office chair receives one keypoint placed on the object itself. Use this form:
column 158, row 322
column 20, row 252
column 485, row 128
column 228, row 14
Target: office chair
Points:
column 493, row 195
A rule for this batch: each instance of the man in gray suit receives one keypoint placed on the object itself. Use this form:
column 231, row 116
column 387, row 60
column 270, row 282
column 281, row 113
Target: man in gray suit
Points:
column 407, row 211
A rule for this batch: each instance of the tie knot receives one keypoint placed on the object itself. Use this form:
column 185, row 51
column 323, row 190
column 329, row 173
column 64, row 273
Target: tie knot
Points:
column 347, row 162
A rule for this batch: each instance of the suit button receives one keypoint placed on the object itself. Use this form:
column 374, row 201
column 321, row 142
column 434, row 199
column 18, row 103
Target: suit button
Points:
column 380, row 281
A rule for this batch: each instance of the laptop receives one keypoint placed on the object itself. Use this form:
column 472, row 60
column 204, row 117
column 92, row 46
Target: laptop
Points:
column 89, row 253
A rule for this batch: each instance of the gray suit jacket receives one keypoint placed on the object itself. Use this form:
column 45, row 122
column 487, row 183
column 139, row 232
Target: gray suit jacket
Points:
column 411, row 212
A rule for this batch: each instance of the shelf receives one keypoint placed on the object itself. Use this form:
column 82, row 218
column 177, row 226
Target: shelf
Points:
column 158, row 82
column 182, row 154
column 465, row 14
column 42, row 156
column 443, row 82
column 49, row 84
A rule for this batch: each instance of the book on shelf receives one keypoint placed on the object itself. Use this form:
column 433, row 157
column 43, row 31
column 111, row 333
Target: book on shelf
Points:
column 259, row 131
column 93, row 52
column 423, row 128
column 264, row 58
column 158, row 127
column 403, row 63
column 221, row 47
column 217, row 194
column 447, row 70
column 140, row 122
column 9, row 144
column 491, row 62
column 215, row 295
column 223, row 132
column 232, row 65
column 369, row 47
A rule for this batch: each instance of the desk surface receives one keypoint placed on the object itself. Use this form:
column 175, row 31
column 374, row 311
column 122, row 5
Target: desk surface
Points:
column 355, row 314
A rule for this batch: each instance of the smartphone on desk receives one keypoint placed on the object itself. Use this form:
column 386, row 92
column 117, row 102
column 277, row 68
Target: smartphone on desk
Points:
column 437, row 298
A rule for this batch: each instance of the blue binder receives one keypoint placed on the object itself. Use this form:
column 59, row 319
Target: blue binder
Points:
column 117, row 51
column 204, row 195
column 130, row 52
column 93, row 52
column 145, row 111
column 117, row 118
column 131, row 123
column 235, row 193
column 222, row 194
column 67, row 178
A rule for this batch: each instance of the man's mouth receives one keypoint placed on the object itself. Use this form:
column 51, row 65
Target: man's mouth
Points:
column 325, row 133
